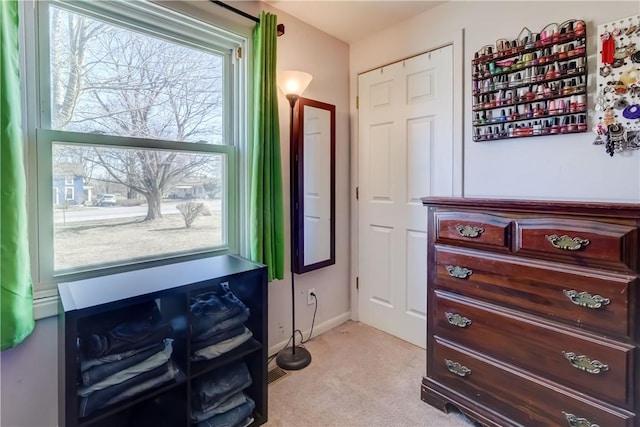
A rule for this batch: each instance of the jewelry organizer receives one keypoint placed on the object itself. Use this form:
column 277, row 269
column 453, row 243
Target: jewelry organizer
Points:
column 618, row 98
column 534, row 85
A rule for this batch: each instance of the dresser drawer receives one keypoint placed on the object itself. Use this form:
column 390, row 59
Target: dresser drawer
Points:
column 528, row 400
column 588, row 364
column 599, row 302
column 473, row 229
column 578, row 242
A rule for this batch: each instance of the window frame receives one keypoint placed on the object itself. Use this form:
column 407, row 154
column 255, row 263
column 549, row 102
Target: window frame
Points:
column 158, row 21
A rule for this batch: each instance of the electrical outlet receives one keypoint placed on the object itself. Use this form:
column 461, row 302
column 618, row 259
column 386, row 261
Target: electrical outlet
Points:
column 310, row 299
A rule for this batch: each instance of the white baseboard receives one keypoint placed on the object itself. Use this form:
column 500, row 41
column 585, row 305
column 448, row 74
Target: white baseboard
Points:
column 317, row 330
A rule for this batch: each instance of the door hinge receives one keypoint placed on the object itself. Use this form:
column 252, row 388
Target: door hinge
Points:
column 357, row 283
column 357, row 102
column 357, row 193
column 238, row 53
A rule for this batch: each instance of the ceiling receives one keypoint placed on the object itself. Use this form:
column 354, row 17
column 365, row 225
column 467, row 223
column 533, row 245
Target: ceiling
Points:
column 353, row 20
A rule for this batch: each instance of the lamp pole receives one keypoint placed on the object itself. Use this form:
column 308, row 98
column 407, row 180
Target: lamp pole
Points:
column 293, row 358
column 293, row 99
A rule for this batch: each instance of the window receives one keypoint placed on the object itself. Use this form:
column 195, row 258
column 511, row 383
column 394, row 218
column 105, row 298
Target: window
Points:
column 139, row 126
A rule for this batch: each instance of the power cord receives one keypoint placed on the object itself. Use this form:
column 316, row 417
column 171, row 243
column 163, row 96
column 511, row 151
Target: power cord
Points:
column 315, row 310
column 273, row 356
column 302, row 340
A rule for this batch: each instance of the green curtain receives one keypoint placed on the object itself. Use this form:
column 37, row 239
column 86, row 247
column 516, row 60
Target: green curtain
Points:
column 16, row 297
column 266, row 212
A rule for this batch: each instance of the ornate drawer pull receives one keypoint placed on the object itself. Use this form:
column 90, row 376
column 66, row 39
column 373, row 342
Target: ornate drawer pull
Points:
column 585, row 364
column 584, row 299
column 567, row 243
column 457, row 368
column 578, row 422
column 469, row 231
column 458, row 272
column 457, row 320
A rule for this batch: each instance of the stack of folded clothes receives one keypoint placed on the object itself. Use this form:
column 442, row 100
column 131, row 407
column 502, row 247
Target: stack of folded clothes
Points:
column 217, row 323
column 125, row 353
column 218, row 398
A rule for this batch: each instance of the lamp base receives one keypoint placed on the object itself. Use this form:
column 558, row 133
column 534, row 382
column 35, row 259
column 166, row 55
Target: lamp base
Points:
column 290, row 361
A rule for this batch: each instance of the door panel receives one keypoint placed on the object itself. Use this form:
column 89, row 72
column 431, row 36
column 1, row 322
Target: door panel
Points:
column 405, row 153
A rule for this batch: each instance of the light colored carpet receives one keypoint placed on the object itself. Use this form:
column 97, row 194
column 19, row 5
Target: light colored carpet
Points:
column 359, row 376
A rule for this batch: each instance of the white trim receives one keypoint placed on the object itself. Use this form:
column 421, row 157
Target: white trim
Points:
column 317, row 330
column 155, row 20
column 458, row 113
column 45, row 307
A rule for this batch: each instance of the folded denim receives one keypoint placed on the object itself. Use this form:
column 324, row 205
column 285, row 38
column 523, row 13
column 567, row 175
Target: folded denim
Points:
column 213, row 307
column 134, row 327
column 233, row 322
column 215, row 350
column 87, row 364
column 170, row 373
column 106, row 321
column 234, row 418
column 100, row 372
column 219, row 384
column 98, row 399
column 219, row 407
column 152, row 362
column 217, row 338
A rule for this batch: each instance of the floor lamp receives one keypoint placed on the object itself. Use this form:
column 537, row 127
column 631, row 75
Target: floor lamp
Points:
column 292, row 84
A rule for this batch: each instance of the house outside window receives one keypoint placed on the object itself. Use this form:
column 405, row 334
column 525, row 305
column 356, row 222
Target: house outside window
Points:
column 141, row 105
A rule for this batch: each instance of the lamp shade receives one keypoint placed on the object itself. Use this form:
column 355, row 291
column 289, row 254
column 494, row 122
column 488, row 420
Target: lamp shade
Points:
column 293, row 82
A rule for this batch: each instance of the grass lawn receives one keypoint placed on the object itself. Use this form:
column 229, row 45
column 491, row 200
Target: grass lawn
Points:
column 99, row 242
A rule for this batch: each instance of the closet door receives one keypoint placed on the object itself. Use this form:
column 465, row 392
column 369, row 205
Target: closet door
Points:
column 405, row 153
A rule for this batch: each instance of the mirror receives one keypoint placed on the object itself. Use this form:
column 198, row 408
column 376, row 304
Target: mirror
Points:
column 313, row 180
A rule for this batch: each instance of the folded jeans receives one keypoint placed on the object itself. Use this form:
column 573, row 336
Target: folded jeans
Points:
column 215, row 350
column 219, row 385
column 219, row 407
column 98, row 399
column 216, row 328
column 100, row 372
column 233, row 418
column 146, row 365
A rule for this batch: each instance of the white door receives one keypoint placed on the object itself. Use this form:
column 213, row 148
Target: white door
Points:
column 405, row 153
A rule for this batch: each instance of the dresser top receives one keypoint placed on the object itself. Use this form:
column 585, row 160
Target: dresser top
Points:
column 609, row 209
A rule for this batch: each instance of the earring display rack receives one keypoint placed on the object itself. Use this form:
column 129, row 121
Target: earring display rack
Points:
column 617, row 103
column 535, row 85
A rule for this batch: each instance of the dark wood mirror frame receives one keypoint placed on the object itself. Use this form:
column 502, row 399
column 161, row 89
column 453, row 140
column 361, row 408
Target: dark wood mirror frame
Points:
column 302, row 110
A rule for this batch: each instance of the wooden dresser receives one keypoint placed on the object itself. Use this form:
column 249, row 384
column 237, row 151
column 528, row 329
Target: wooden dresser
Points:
column 533, row 312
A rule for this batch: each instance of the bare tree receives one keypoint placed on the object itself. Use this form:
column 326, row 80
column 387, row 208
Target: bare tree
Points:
column 122, row 83
column 191, row 210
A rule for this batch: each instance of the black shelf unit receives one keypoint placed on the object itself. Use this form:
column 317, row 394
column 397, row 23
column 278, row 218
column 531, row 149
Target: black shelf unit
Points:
column 172, row 287
column 525, row 77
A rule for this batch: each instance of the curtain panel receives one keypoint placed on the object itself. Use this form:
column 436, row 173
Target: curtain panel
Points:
column 16, row 294
column 266, row 212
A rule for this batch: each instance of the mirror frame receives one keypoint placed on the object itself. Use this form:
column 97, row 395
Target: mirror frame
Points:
column 297, row 181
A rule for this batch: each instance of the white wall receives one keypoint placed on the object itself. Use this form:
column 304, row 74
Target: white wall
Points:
column 558, row 167
column 29, row 372
column 551, row 167
column 307, row 49
column 29, row 379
